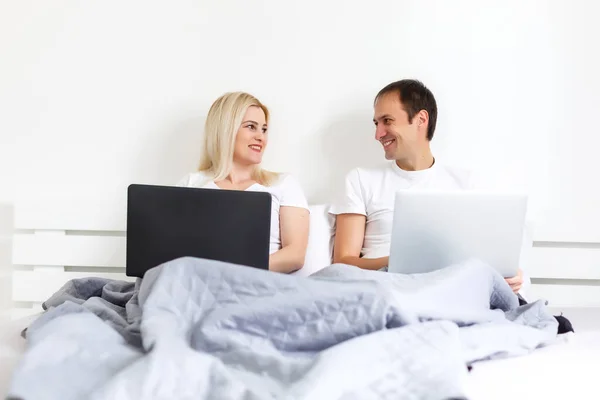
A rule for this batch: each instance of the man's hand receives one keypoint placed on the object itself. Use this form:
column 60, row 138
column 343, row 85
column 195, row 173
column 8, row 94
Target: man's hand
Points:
column 516, row 282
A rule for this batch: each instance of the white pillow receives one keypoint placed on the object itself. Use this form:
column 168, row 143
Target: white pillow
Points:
column 319, row 253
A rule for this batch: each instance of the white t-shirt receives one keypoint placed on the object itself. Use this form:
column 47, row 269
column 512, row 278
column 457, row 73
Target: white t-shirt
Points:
column 285, row 192
column 371, row 192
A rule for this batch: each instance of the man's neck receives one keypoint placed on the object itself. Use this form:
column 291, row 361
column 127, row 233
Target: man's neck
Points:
column 421, row 161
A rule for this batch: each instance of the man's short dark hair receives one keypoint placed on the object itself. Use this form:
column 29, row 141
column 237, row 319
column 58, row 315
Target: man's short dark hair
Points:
column 415, row 97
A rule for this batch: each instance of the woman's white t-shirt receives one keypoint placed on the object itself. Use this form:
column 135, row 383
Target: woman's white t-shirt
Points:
column 285, row 192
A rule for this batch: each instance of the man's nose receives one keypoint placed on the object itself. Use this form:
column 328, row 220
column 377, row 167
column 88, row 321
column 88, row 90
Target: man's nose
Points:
column 379, row 132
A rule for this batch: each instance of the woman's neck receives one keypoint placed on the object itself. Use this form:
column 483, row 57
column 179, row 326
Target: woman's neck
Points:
column 240, row 174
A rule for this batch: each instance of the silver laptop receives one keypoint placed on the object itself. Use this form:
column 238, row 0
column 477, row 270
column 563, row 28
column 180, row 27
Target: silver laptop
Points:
column 433, row 230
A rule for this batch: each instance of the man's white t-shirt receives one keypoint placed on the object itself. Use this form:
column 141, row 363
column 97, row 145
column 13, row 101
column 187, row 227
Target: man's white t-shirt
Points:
column 371, row 192
column 285, row 192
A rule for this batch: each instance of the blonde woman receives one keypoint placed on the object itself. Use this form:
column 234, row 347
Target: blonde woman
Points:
column 236, row 137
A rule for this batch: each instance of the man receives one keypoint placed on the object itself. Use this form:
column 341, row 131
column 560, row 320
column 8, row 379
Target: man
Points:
column 405, row 119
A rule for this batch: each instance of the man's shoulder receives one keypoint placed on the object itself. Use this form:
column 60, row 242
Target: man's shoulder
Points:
column 462, row 176
column 370, row 171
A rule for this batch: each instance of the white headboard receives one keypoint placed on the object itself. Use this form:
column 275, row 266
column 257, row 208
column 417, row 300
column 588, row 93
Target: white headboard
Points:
column 62, row 238
column 58, row 239
column 566, row 273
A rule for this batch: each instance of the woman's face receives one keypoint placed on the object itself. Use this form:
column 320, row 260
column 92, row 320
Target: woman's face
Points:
column 251, row 139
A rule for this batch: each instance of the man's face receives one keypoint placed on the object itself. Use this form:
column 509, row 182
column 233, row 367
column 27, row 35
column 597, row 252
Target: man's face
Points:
column 392, row 128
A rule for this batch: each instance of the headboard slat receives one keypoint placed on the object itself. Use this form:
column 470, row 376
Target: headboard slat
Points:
column 565, row 295
column 65, row 211
column 66, row 250
column 565, row 263
column 31, row 286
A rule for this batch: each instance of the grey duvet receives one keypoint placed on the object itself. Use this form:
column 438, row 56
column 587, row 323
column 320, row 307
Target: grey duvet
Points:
column 200, row 329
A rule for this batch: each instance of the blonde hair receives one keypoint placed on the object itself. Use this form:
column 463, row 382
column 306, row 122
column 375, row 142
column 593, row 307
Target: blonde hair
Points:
column 220, row 130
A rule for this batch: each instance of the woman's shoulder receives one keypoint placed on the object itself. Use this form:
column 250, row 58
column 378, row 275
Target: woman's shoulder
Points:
column 285, row 180
column 193, row 179
column 289, row 190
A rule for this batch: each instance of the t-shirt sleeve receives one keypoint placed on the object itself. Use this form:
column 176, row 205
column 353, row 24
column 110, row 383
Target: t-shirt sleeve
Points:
column 194, row 179
column 184, row 182
column 292, row 194
column 352, row 200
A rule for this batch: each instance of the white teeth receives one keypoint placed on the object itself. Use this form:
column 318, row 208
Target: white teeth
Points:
column 255, row 147
column 387, row 143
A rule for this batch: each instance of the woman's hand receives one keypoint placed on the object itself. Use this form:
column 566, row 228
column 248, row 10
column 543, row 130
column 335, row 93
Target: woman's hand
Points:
column 515, row 282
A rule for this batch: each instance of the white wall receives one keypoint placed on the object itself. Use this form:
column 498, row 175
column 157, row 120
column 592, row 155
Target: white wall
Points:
column 8, row 159
column 99, row 94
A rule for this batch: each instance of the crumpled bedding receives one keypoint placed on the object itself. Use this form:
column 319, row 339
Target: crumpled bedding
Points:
column 201, row 329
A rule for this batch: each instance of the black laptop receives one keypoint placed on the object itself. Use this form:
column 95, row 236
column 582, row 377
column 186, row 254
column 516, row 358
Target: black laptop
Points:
column 167, row 222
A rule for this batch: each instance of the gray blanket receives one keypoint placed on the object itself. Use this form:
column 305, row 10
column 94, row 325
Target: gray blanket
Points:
column 199, row 329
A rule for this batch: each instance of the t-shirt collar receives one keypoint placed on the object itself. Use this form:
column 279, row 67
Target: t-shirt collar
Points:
column 412, row 175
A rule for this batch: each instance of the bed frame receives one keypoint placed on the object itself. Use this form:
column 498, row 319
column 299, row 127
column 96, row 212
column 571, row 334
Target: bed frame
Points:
column 61, row 238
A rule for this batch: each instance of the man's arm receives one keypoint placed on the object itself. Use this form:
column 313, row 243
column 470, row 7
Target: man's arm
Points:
column 516, row 283
column 349, row 238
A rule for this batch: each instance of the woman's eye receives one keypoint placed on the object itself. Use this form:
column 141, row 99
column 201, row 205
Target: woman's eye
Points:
column 264, row 130
column 252, row 127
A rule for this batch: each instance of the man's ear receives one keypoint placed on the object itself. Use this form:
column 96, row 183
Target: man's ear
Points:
column 422, row 118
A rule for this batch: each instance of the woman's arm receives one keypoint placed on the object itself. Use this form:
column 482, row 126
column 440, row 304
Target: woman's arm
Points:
column 349, row 238
column 293, row 228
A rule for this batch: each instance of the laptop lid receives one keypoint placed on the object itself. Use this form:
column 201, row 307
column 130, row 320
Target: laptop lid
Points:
column 433, row 230
column 166, row 222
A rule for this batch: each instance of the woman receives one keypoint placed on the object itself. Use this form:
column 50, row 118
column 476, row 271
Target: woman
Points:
column 236, row 136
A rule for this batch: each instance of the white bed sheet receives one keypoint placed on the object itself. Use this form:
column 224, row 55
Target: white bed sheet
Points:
column 564, row 371
column 12, row 346
column 567, row 370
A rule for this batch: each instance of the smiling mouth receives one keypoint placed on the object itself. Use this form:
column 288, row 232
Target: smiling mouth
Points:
column 387, row 143
column 256, row 148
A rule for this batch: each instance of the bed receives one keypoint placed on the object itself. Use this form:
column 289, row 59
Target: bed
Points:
column 71, row 238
